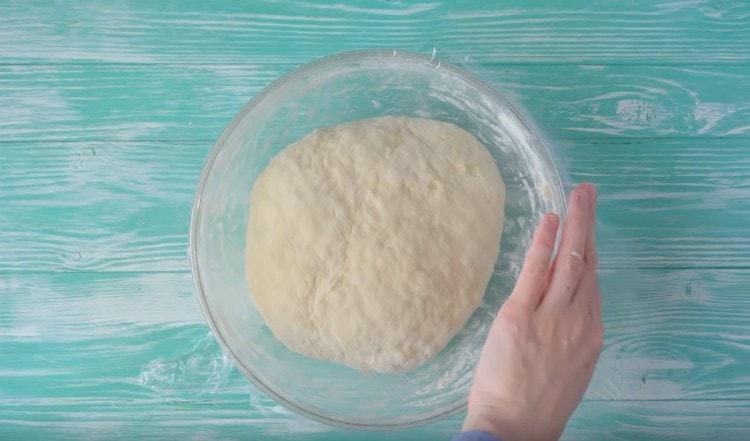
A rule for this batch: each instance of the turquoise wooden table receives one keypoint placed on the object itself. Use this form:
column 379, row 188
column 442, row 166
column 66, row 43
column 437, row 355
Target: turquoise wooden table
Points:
column 107, row 110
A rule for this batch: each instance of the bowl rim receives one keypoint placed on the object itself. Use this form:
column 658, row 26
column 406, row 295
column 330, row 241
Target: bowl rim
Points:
column 336, row 58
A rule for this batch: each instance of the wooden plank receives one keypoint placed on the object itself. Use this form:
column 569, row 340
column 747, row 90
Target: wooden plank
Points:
column 668, row 203
column 97, row 206
column 537, row 31
column 127, row 355
column 683, row 420
column 235, row 420
column 195, row 102
column 125, row 206
column 670, row 334
column 674, row 334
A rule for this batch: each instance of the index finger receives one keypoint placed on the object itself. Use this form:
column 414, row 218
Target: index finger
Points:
column 569, row 264
column 534, row 274
column 590, row 256
column 587, row 296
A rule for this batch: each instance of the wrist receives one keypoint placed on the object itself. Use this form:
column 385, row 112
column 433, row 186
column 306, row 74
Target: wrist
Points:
column 490, row 421
column 505, row 425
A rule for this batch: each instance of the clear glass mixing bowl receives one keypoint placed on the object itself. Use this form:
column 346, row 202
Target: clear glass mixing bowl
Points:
column 330, row 91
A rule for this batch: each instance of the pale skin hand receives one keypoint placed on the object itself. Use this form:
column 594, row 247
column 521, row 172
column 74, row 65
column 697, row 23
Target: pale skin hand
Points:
column 542, row 348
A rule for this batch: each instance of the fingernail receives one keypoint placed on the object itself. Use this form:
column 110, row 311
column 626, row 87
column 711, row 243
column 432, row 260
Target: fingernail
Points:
column 580, row 196
column 592, row 194
column 550, row 219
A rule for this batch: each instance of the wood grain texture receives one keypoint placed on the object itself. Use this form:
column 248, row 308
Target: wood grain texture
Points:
column 195, row 102
column 68, row 324
column 114, row 354
column 97, row 206
column 668, row 202
column 107, row 110
column 683, row 420
column 233, row 421
column 125, row 206
column 674, row 334
column 687, row 31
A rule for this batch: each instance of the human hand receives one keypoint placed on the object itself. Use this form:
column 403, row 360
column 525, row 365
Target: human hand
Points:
column 541, row 351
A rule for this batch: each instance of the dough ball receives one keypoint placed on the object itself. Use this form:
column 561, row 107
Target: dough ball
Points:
column 371, row 243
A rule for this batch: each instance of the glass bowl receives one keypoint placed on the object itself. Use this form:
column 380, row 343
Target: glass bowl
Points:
column 333, row 90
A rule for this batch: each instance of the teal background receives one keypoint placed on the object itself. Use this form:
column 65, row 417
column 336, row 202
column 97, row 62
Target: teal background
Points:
column 108, row 109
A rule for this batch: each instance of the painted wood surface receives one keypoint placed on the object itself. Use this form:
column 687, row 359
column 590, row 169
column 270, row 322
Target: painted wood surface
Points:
column 226, row 31
column 125, row 206
column 194, row 102
column 684, row 338
column 227, row 420
column 108, row 110
column 109, row 344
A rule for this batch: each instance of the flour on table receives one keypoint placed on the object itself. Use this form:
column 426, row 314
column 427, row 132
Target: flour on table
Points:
column 371, row 243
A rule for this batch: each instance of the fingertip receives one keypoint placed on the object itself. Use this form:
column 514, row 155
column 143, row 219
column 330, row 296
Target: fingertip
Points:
column 579, row 198
column 591, row 193
column 548, row 229
column 572, row 195
column 550, row 220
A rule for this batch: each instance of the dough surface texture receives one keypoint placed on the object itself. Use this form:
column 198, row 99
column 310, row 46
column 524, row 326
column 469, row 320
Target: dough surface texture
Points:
column 370, row 243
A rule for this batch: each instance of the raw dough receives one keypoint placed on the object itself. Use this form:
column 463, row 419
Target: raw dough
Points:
column 371, row 243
